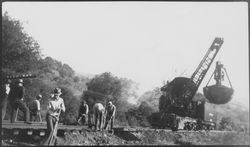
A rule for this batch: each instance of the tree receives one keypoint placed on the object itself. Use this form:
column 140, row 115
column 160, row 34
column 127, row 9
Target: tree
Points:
column 147, row 106
column 20, row 52
column 105, row 87
column 151, row 97
column 72, row 105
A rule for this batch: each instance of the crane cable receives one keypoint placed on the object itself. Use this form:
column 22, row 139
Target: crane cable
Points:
column 226, row 75
column 210, row 78
column 228, row 78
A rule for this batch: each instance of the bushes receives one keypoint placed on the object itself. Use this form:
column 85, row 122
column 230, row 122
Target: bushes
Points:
column 105, row 87
column 139, row 116
column 226, row 124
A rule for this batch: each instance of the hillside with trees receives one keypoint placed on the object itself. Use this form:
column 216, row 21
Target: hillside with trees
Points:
column 21, row 54
column 107, row 87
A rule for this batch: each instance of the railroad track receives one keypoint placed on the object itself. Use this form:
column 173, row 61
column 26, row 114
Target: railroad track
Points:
column 20, row 127
column 38, row 128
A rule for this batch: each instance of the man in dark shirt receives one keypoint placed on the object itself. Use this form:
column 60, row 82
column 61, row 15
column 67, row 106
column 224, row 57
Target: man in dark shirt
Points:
column 5, row 89
column 16, row 98
column 83, row 113
column 34, row 107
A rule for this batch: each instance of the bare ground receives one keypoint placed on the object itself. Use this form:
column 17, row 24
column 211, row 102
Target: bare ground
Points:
column 155, row 138
column 152, row 137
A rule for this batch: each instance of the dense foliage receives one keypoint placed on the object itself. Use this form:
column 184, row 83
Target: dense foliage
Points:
column 22, row 54
column 107, row 87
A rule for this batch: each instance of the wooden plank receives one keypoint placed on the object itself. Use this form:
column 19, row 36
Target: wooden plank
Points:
column 39, row 127
column 42, row 133
column 30, row 132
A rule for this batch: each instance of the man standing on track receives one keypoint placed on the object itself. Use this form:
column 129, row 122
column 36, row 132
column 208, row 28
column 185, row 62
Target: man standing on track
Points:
column 55, row 106
column 16, row 98
column 34, row 107
column 98, row 110
column 110, row 115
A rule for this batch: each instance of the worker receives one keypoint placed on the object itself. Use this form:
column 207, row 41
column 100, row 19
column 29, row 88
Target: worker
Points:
column 91, row 122
column 98, row 110
column 54, row 107
column 110, row 115
column 34, row 108
column 5, row 90
column 16, row 98
column 83, row 113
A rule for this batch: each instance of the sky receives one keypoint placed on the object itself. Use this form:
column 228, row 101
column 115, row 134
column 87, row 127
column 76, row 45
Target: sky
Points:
column 147, row 42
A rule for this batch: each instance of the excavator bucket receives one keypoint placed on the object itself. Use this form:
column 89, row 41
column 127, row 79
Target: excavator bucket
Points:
column 218, row 94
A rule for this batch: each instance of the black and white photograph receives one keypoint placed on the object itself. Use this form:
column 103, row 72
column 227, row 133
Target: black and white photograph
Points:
column 124, row 73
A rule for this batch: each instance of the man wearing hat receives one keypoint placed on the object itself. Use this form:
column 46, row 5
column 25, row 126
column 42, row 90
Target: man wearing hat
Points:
column 55, row 106
column 16, row 98
column 34, row 108
column 110, row 115
column 5, row 89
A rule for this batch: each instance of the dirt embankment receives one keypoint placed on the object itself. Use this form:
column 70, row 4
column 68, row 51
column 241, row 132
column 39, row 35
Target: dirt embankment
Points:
column 145, row 137
column 155, row 138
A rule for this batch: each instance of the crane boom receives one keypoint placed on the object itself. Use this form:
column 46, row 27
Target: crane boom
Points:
column 206, row 62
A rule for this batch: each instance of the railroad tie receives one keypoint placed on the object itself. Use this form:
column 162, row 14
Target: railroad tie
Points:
column 30, row 132
column 16, row 132
column 42, row 133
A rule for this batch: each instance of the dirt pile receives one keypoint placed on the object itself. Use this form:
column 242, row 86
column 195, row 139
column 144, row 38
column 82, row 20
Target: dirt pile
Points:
column 89, row 138
column 143, row 137
column 156, row 137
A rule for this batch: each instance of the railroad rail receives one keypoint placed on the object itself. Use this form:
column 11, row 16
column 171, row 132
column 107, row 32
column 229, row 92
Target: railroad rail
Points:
column 39, row 128
column 19, row 128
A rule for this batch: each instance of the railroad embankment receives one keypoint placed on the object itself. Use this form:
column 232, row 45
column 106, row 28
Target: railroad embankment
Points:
column 149, row 137
column 156, row 138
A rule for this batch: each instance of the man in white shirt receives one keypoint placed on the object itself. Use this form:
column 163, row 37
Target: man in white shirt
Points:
column 55, row 106
column 98, row 110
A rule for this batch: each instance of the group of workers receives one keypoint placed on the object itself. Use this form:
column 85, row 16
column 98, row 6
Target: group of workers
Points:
column 14, row 95
column 104, row 115
column 100, row 114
